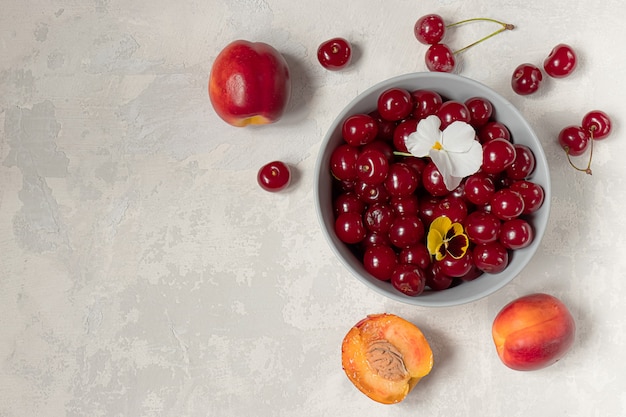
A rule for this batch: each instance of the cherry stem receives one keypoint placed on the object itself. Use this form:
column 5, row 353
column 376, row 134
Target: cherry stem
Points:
column 505, row 26
column 588, row 169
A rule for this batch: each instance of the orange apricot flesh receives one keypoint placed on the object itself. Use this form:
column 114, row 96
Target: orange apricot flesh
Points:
column 385, row 356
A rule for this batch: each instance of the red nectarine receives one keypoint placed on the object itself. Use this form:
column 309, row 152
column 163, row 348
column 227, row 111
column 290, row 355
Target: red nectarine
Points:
column 533, row 332
column 249, row 84
column 385, row 356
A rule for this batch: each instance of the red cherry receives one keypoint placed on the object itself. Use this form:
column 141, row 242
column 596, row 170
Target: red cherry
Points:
column 359, row 129
column 395, row 104
column 574, row 140
column 526, row 79
column 532, row 194
column 349, row 227
column 343, row 162
column 451, row 111
column 274, row 176
column 380, row 261
column 491, row 257
column 480, row 110
column 334, row 54
column 408, row 279
column 597, row 123
column 516, row 234
column 498, row 154
column 440, row 58
column 506, row 204
column 427, row 102
column 561, row 61
column 430, row 29
column 523, row 164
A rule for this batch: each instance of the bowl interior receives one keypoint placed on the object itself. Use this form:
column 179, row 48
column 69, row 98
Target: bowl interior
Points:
column 451, row 87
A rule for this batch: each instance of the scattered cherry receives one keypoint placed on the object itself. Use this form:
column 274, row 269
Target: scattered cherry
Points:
column 597, row 124
column 440, row 58
column 335, row 54
column 526, row 79
column 274, row 176
column 574, row 140
column 430, row 29
column 561, row 61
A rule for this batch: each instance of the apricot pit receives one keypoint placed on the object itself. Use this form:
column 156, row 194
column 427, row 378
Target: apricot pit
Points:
column 385, row 356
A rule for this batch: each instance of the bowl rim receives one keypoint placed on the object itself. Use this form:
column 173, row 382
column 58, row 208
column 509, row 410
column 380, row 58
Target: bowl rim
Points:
column 433, row 298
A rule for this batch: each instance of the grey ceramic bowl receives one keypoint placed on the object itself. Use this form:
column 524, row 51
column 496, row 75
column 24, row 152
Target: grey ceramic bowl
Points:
column 452, row 87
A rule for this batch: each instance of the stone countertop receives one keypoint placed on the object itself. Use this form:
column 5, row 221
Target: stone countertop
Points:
column 145, row 273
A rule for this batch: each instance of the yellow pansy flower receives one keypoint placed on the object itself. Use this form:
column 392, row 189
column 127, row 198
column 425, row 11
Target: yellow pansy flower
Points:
column 446, row 238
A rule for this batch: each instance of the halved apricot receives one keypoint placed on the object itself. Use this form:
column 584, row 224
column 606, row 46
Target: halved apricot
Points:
column 385, row 356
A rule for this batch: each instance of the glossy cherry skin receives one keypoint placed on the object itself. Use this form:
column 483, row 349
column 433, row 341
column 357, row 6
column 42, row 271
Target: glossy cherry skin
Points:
column 406, row 231
column 561, row 61
column 597, row 123
column 347, row 202
column 574, row 140
column 516, row 234
column 482, row 227
column 343, row 162
column 349, row 227
column 491, row 257
column 401, row 180
column 493, row 130
column 480, row 110
column 335, row 54
column 394, row 104
column 427, row 102
column 526, row 79
column 451, row 111
column 417, row 255
column 532, row 194
column 372, row 167
column 440, row 58
column 379, row 217
column 274, row 176
column 432, row 180
column 380, row 261
column 479, row 188
column 429, row 29
column 506, row 204
column 359, row 129
column 523, row 165
column 402, row 132
column 498, row 154
column 457, row 268
column 408, row 279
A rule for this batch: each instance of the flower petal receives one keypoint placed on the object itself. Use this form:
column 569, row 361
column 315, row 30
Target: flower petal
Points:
column 457, row 246
column 468, row 162
column 438, row 229
column 445, row 165
column 458, row 137
column 420, row 142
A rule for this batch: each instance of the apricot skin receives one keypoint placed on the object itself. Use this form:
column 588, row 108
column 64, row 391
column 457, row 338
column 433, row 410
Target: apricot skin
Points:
column 249, row 84
column 407, row 347
column 533, row 332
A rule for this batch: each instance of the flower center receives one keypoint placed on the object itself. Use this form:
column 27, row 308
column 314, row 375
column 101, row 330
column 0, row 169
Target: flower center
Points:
column 437, row 146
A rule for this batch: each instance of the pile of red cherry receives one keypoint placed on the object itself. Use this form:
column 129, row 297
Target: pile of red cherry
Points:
column 384, row 200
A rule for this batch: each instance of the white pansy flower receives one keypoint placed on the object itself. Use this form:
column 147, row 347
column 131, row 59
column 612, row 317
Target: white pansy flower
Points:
column 455, row 150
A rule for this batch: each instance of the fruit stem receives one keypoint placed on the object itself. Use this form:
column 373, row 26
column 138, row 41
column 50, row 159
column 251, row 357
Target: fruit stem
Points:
column 505, row 26
column 588, row 169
